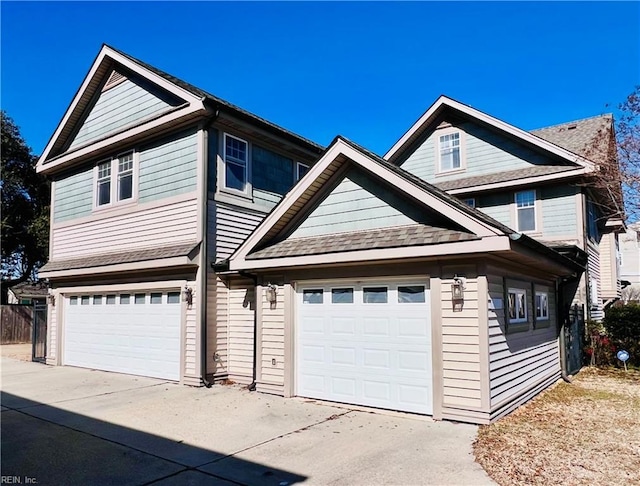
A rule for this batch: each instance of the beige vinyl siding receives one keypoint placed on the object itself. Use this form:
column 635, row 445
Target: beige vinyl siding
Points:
column 610, row 282
column 461, row 365
column 485, row 152
column 73, row 196
column 122, row 106
column 559, row 210
column 228, row 226
column 144, row 228
column 52, row 333
column 191, row 365
column 168, row 168
column 241, row 331
column 271, row 342
column 519, row 363
column 594, row 273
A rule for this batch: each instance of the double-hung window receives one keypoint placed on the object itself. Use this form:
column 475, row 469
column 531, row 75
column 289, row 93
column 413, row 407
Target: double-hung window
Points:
column 236, row 157
column 115, row 180
column 449, row 152
column 517, row 305
column 526, row 210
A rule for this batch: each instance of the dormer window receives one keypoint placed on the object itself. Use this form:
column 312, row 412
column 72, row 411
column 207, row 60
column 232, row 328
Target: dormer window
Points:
column 236, row 156
column 301, row 170
column 450, row 152
column 114, row 180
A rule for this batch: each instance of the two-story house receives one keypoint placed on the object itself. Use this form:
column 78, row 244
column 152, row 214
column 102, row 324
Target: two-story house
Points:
column 152, row 178
column 434, row 280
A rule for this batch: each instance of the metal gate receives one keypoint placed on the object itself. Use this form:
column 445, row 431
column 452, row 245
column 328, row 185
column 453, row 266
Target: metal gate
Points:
column 574, row 336
column 39, row 333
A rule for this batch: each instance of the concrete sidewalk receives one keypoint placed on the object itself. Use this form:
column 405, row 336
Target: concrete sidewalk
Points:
column 64, row 425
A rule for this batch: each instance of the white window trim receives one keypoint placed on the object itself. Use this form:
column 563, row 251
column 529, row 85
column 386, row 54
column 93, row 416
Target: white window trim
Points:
column 297, row 174
column 517, row 320
column 536, row 211
column 463, row 160
column 546, row 299
column 247, row 185
column 113, row 195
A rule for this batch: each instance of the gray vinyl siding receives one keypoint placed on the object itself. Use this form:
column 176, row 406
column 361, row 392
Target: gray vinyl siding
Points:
column 73, row 196
column 168, row 169
column 123, row 105
column 559, row 210
column 519, row 363
column 485, row 152
column 359, row 203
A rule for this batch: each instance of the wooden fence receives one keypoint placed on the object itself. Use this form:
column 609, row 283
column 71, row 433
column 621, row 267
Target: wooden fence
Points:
column 15, row 323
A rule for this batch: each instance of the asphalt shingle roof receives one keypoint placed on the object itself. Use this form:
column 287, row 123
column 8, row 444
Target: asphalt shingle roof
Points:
column 512, row 175
column 122, row 257
column 578, row 136
column 398, row 236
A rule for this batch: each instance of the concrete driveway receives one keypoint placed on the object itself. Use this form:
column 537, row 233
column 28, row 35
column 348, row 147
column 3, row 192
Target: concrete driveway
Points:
column 64, row 425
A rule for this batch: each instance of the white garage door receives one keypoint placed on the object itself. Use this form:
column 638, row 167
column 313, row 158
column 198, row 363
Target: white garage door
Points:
column 137, row 333
column 366, row 344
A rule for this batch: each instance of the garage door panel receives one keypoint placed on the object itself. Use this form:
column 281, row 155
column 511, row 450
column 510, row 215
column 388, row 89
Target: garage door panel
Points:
column 368, row 354
column 128, row 335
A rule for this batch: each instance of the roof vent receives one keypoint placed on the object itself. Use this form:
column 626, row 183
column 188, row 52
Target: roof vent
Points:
column 572, row 127
column 115, row 79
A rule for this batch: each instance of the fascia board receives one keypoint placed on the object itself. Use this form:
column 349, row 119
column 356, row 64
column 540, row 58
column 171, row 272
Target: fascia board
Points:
column 519, row 182
column 484, row 245
column 444, row 101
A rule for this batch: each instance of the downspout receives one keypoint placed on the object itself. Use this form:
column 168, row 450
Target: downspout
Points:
column 205, row 268
column 563, row 349
column 254, row 278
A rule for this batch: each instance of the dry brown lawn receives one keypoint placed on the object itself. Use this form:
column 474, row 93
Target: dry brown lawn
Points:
column 587, row 432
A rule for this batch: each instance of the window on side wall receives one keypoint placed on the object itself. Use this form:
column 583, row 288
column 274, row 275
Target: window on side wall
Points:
column 592, row 221
column 236, row 157
column 449, row 152
column 517, row 315
column 526, row 210
column 115, row 180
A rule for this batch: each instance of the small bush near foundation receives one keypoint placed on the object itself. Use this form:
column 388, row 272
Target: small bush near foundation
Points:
column 622, row 324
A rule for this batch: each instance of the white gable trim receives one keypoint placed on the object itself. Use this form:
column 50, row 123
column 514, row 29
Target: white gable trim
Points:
column 106, row 53
column 341, row 148
column 444, row 102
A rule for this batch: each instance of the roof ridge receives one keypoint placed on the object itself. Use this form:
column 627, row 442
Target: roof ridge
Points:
column 579, row 120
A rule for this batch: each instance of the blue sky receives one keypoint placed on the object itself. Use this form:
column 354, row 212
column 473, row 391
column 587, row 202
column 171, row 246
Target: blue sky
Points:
column 366, row 70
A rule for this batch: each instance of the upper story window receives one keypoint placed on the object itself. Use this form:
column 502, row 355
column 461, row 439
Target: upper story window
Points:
column 526, row 210
column 236, row 163
column 301, row 170
column 449, row 152
column 114, row 180
column 592, row 221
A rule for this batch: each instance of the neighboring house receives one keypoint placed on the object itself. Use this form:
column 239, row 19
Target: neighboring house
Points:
column 28, row 293
column 548, row 184
column 630, row 261
column 152, row 178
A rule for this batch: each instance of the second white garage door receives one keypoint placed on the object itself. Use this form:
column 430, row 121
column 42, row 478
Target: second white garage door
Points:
column 365, row 344
column 136, row 333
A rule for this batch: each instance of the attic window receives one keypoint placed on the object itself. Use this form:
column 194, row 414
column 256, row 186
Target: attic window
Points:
column 115, row 79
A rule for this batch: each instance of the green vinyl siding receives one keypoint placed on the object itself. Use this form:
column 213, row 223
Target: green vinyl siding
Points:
column 169, row 168
column 498, row 206
column 484, row 152
column 361, row 203
column 559, row 210
column 73, row 196
column 266, row 199
column 126, row 104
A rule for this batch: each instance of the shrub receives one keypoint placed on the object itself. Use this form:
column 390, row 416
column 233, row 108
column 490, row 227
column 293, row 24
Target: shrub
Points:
column 622, row 324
